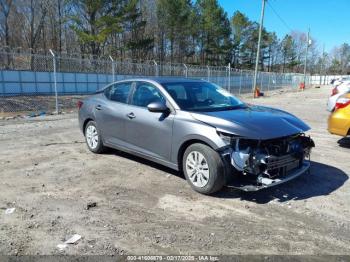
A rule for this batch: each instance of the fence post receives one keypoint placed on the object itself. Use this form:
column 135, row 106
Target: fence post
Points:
column 36, row 81
column 87, row 82
column 113, row 68
column 208, row 77
column 21, row 83
column 156, row 65
column 229, row 77
column 186, row 70
column 54, row 78
column 2, row 82
column 268, row 86
column 75, row 83
column 240, row 82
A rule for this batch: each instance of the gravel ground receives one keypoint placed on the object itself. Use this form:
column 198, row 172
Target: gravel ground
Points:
column 49, row 176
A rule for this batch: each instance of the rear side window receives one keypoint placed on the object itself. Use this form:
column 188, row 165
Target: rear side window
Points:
column 118, row 92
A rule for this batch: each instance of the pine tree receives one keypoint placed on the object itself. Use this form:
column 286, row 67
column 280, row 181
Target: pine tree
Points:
column 215, row 32
column 138, row 43
column 174, row 18
column 93, row 22
column 240, row 33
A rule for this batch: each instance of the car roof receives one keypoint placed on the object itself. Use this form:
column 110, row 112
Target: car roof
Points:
column 164, row 80
column 159, row 80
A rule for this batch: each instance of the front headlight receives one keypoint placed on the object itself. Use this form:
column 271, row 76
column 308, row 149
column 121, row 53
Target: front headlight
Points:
column 226, row 137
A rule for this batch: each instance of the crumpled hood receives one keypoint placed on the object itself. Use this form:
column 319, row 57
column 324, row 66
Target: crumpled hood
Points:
column 255, row 122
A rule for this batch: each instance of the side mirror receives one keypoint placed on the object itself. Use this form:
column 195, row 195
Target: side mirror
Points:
column 157, row 107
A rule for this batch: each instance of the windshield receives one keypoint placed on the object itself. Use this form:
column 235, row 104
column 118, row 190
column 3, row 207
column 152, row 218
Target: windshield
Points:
column 202, row 96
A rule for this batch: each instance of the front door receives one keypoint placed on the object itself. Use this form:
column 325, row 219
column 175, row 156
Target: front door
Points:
column 148, row 132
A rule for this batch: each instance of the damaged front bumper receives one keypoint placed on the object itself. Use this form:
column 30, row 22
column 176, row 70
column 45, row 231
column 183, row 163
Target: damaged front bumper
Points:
column 257, row 164
column 269, row 182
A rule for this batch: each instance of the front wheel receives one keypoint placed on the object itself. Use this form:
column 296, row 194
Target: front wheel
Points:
column 203, row 168
column 93, row 138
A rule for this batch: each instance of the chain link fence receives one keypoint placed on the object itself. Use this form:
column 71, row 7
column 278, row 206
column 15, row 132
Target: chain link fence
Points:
column 38, row 84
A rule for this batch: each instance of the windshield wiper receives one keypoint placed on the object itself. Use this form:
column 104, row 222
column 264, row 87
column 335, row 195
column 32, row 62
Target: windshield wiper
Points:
column 234, row 107
column 214, row 109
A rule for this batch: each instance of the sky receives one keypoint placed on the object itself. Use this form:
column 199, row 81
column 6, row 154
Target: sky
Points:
column 329, row 20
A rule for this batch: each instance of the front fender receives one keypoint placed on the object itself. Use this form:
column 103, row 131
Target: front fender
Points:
column 186, row 129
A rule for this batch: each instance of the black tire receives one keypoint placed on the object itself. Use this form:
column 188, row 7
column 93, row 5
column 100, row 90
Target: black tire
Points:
column 216, row 168
column 99, row 148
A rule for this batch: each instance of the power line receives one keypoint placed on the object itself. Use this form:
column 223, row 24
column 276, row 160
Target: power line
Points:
column 279, row 17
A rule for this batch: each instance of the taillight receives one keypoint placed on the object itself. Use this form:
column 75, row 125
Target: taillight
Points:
column 342, row 102
column 79, row 104
column 334, row 91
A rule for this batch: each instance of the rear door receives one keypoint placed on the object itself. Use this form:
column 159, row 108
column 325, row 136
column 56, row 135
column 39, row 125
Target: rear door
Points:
column 148, row 132
column 111, row 112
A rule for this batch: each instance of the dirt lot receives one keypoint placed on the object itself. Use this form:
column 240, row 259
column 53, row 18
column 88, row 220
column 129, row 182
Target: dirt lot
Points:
column 49, row 176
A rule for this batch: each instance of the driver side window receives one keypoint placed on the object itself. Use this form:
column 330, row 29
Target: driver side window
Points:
column 145, row 94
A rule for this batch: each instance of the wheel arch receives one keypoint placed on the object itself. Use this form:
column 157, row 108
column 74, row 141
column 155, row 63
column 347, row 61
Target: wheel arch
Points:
column 186, row 144
column 86, row 121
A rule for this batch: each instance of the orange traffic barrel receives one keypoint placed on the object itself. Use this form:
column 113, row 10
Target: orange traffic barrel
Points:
column 257, row 92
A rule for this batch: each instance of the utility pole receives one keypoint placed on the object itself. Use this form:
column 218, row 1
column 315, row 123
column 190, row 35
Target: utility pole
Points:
column 307, row 50
column 322, row 66
column 259, row 41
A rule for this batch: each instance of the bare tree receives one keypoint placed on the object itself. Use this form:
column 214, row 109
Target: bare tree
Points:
column 5, row 9
column 34, row 12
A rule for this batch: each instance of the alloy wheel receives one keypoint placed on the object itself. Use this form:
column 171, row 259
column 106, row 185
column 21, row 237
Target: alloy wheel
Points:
column 197, row 169
column 92, row 137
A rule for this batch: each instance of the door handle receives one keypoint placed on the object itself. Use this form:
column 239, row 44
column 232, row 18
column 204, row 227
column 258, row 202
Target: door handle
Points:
column 98, row 107
column 131, row 115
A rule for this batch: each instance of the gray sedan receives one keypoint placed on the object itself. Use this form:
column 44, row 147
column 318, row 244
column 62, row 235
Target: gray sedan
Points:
column 199, row 129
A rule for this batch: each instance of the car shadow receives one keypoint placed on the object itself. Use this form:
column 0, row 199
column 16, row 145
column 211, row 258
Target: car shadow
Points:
column 322, row 180
column 344, row 142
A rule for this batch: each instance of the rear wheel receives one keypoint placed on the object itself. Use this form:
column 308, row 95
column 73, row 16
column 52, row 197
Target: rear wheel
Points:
column 93, row 138
column 203, row 168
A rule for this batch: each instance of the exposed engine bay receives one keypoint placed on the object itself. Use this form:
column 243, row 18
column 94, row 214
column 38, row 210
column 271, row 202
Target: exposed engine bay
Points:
column 263, row 162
